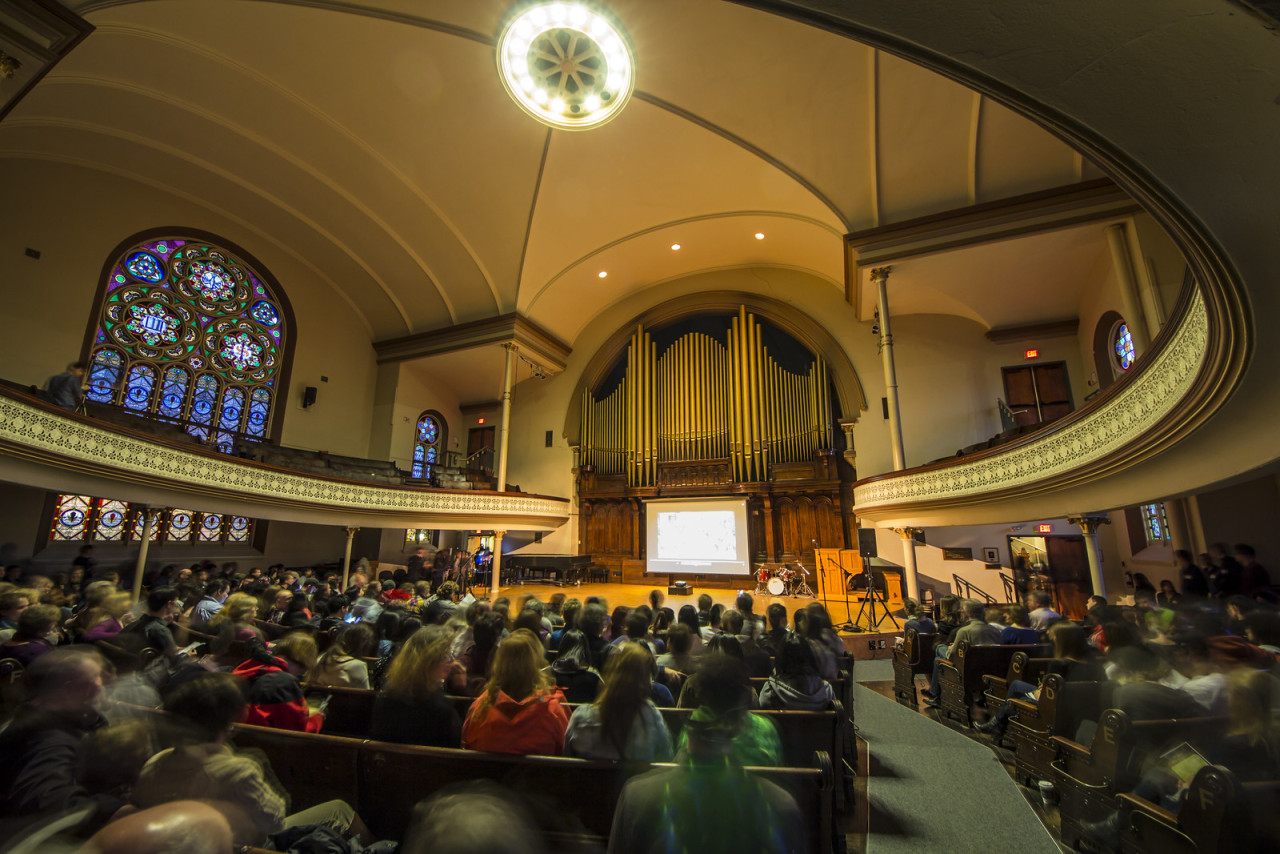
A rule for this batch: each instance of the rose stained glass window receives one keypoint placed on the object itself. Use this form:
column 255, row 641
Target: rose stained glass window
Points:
column 192, row 333
column 1122, row 346
column 428, row 444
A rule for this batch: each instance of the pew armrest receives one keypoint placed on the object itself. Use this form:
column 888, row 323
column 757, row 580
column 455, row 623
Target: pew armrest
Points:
column 1133, row 803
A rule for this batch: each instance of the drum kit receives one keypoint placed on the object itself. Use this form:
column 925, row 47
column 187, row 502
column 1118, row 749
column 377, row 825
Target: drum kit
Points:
column 782, row 580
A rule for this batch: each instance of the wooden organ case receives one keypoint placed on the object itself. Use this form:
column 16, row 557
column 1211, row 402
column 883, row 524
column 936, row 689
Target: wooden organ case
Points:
column 706, row 412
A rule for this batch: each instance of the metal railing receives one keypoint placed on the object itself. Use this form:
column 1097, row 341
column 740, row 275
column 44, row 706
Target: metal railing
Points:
column 1010, row 591
column 971, row 591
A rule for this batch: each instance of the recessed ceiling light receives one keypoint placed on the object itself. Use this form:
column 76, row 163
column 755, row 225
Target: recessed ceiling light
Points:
column 675, row 245
column 567, row 64
column 602, row 274
column 759, row 235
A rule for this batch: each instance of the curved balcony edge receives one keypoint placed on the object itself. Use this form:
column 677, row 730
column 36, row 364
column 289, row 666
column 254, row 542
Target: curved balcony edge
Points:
column 48, row 448
column 1179, row 387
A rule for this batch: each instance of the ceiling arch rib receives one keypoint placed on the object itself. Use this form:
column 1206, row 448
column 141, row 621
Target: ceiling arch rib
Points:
column 215, row 86
column 197, row 201
column 15, row 128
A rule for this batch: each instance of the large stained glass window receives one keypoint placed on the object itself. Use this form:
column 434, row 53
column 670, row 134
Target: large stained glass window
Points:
column 428, row 444
column 82, row 518
column 192, row 334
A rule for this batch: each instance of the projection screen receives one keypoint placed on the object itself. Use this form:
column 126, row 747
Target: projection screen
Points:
column 702, row 536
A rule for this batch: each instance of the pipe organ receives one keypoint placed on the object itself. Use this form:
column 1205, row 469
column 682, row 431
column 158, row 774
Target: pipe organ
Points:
column 706, row 399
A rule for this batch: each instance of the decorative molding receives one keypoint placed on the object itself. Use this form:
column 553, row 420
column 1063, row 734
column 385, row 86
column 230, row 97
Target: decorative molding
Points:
column 1034, row 331
column 34, row 37
column 1110, row 436
column 546, row 349
column 49, row 437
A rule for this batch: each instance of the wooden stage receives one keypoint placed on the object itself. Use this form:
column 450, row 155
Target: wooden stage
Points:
column 638, row 594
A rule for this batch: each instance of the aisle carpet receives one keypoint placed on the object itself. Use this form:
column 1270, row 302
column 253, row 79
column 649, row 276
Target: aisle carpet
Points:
column 933, row 789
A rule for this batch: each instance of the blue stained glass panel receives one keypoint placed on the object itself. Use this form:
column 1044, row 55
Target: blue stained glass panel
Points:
column 104, row 376
column 259, row 406
column 265, row 313
column 110, row 520
column 173, row 392
column 179, row 526
column 1124, row 347
column 138, row 389
column 204, row 399
column 70, row 521
column 431, row 455
column 232, row 407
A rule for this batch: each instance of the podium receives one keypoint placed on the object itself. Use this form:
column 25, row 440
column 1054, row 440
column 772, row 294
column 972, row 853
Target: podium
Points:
column 837, row 567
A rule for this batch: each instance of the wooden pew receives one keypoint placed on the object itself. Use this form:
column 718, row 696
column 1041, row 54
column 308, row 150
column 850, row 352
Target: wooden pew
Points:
column 1089, row 778
column 1219, row 816
column 915, row 656
column 387, row 780
column 1022, row 668
column 350, row 711
column 1061, row 708
column 960, row 677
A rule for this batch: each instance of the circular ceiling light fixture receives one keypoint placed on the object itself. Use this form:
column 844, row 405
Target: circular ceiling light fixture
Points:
column 566, row 65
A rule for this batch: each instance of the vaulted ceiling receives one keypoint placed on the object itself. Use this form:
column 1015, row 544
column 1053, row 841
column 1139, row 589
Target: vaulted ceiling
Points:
column 374, row 141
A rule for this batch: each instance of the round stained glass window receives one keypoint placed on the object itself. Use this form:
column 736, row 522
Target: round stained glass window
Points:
column 428, row 430
column 145, row 266
column 212, row 523
column 111, row 519
column 1122, row 349
column 180, row 521
column 71, row 517
column 265, row 313
column 212, row 281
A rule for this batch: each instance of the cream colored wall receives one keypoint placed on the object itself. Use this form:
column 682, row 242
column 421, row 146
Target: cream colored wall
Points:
column 75, row 217
column 417, row 391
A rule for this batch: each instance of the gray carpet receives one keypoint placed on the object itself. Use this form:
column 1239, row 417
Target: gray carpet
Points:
column 933, row 789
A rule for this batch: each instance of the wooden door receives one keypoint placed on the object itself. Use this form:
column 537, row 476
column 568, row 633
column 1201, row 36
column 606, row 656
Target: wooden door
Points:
column 1037, row 393
column 1069, row 569
column 478, row 439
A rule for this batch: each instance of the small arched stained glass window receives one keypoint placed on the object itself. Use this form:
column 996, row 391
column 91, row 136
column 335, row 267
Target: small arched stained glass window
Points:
column 1122, row 346
column 428, row 444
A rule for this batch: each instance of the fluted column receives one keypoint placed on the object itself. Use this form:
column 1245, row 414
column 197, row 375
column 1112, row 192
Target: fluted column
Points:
column 909, row 576
column 346, row 557
column 1088, row 524
column 880, row 275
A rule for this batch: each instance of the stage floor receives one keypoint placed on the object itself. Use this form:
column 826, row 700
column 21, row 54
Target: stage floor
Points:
column 638, row 594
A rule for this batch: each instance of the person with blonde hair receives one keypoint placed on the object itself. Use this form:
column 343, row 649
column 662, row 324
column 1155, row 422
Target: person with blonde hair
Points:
column 623, row 723
column 519, row 712
column 274, row 690
column 106, row 619
column 412, row 707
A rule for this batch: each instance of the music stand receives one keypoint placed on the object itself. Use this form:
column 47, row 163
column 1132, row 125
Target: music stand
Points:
column 873, row 596
column 849, row 625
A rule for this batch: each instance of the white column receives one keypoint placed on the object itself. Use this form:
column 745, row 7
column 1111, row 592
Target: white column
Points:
column 346, row 557
column 504, row 430
column 909, row 577
column 880, row 275
column 149, row 516
column 1089, row 526
column 496, row 565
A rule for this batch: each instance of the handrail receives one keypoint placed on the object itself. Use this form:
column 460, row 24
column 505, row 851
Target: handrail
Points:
column 969, row 590
column 487, row 449
column 1010, row 591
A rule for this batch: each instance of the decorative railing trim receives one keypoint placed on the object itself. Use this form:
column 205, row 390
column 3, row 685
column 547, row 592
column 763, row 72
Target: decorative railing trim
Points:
column 1137, row 409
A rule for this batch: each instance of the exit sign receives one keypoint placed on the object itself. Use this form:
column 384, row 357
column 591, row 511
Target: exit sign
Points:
column 1033, row 354
column 1045, row 529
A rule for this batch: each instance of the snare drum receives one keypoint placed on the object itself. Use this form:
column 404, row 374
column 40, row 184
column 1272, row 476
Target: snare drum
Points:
column 776, row 587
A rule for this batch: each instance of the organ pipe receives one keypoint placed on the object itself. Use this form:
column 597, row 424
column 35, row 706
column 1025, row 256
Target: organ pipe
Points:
column 707, row 399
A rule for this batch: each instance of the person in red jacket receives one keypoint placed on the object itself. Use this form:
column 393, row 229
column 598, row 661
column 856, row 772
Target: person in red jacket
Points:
column 519, row 712
column 275, row 690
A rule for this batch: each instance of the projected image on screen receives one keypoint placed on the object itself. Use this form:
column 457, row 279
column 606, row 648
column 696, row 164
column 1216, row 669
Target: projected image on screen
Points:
column 701, row 536
column 706, row 535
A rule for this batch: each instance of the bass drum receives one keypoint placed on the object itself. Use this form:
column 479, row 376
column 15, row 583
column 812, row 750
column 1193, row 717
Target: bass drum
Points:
column 776, row 587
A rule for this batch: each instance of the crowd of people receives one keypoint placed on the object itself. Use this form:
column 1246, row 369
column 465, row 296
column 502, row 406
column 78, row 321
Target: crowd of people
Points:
column 212, row 646
column 1169, row 653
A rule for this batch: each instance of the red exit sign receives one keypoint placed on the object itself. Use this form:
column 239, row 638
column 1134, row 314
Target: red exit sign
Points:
column 1045, row 529
column 1033, row 353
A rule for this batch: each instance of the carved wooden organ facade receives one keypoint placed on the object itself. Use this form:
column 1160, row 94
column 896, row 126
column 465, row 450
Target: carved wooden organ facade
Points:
column 706, row 409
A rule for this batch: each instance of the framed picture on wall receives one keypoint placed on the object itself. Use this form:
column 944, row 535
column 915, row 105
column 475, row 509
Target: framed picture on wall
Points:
column 991, row 555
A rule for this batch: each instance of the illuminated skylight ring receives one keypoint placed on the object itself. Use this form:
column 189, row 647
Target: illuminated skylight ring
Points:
column 566, row 64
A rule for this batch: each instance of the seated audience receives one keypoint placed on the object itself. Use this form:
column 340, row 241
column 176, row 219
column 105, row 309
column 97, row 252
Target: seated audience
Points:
column 37, row 634
column 759, row 665
column 722, row 685
column 680, row 656
column 1073, row 660
column 412, row 707
column 478, row 658
column 204, row 767
column 178, row 827
column 569, row 620
column 917, row 618
column 40, row 749
column 1019, row 630
column 795, row 684
column 622, row 723
column 107, row 619
column 1040, row 611
column 342, row 664
column 474, row 818
column 153, row 627
column 827, row 646
column 215, row 594
column 572, row 670
column 519, row 712
column 274, row 688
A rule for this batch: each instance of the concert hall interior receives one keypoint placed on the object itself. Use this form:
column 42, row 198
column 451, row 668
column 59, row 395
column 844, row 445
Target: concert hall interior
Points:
column 873, row 305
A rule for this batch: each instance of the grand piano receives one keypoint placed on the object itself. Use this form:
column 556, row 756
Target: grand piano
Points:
column 548, row 569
